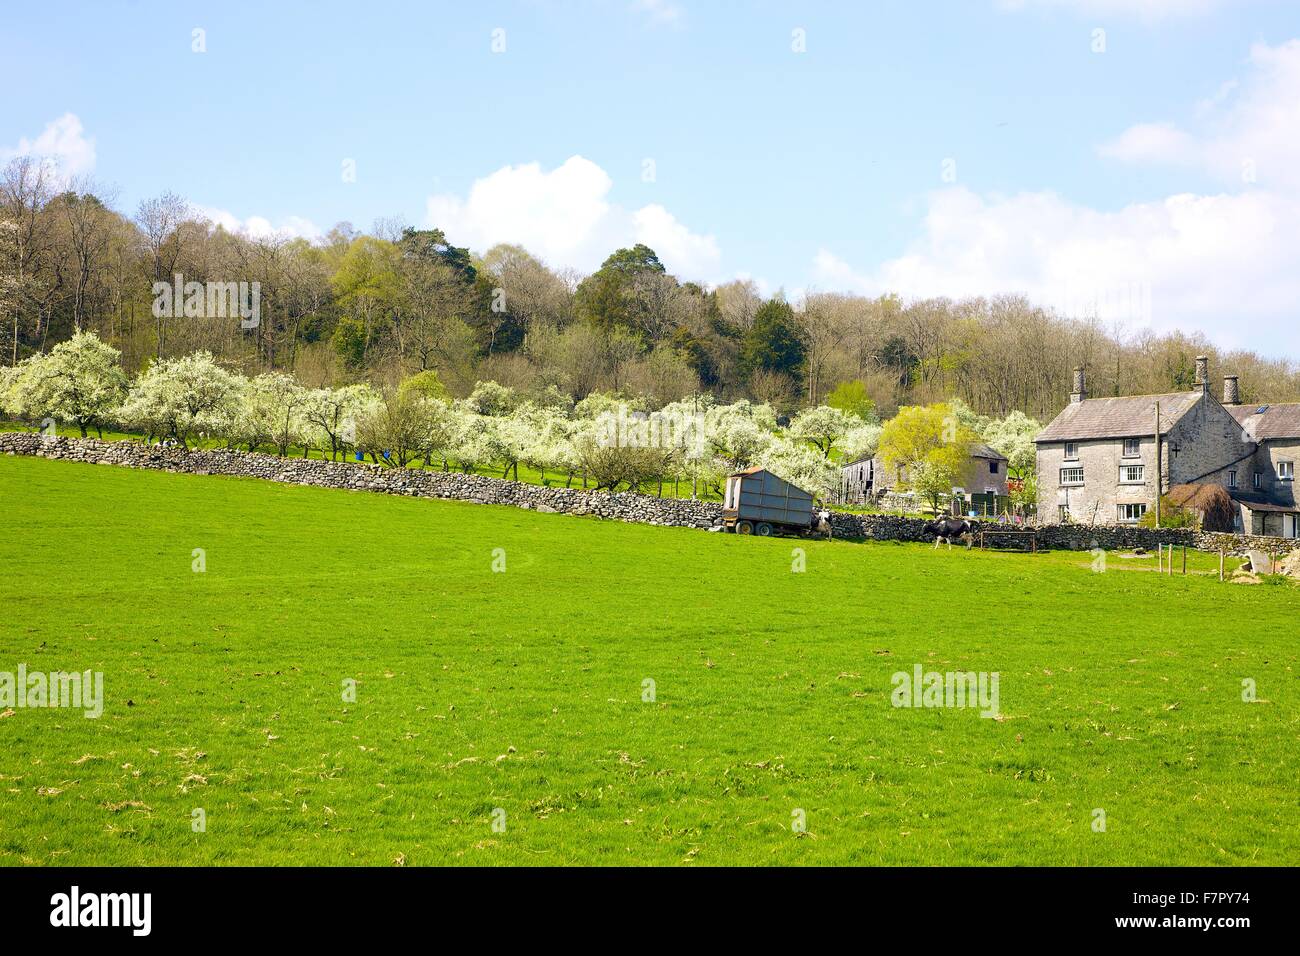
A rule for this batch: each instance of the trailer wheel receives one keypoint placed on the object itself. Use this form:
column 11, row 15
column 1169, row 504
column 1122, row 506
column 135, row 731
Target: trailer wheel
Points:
column 744, row 527
column 763, row 530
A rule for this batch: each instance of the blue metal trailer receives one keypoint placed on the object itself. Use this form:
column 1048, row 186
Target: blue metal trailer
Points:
column 759, row 502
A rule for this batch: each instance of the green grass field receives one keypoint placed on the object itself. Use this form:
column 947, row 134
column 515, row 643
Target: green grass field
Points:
column 522, row 690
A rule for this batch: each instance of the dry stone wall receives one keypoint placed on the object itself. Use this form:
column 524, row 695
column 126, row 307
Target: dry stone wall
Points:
column 360, row 476
column 621, row 506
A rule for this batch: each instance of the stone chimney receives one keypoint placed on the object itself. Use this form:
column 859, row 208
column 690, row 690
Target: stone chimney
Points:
column 1203, row 373
column 1231, row 390
column 1080, row 386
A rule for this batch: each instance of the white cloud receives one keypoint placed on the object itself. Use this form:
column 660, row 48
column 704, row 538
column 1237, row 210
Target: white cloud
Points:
column 1226, row 263
column 1204, row 262
column 259, row 227
column 64, row 142
column 660, row 11
column 1151, row 142
column 1211, row 103
column 1247, row 132
column 657, row 228
column 565, row 216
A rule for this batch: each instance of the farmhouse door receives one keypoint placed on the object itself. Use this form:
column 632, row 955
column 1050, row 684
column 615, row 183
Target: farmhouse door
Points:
column 1289, row 526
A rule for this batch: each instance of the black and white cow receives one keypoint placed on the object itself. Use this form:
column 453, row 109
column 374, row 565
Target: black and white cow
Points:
column 821, row 524
column 946, row 530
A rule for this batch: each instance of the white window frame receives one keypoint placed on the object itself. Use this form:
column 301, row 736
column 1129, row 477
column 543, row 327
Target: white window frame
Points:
column 1068, row 455
column 1286, row 471
column 1123, row 512
column 1071, row 483
column 1232, row 479
column 1259, row 480
column 1136, row 444
column 1124, row 478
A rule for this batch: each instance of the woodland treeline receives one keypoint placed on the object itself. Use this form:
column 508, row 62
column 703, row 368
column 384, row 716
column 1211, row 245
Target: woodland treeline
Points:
column 382, row 305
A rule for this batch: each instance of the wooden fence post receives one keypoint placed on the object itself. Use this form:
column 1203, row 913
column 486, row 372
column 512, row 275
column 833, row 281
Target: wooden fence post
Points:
column 1221, row 556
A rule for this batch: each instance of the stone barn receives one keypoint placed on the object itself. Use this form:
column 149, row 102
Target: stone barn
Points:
column 985, row 473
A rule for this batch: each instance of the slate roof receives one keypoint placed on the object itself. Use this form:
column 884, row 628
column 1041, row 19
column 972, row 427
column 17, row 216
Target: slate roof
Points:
column 1131, row 416
column 977, row 450
column 1276, row 421
column 1261, row 503
column 980, row 450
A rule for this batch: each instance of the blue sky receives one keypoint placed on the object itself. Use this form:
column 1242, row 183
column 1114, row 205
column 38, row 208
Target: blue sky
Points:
column 1149, row 172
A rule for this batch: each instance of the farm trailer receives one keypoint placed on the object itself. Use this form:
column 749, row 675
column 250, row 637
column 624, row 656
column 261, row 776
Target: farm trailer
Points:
column 759, row 502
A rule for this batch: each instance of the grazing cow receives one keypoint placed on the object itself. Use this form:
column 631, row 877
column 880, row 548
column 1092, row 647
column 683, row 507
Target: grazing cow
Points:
column 821, row 524
column 946, row 530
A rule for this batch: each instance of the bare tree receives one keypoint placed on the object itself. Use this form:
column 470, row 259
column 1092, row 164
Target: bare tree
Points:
column 432, row 326
column 533, row 293
column 159, row 220
column 824, row 321
column 738, row 301
column 88, row 224
column 658, row 305
column 24, row 193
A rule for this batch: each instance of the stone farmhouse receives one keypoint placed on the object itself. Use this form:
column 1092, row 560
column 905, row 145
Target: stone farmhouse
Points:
column 1107, row 460
column 1264, row 486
